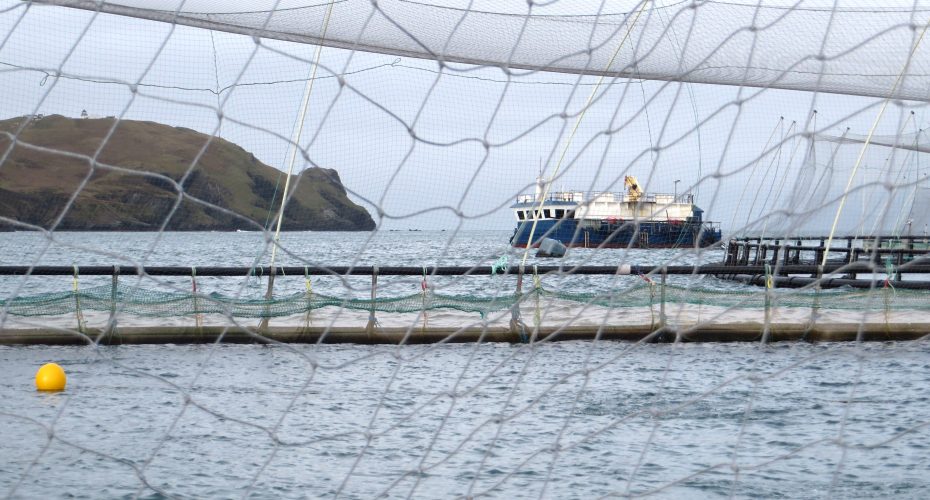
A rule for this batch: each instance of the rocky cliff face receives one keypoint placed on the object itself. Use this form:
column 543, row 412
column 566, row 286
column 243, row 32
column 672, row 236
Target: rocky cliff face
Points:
column 154, row 185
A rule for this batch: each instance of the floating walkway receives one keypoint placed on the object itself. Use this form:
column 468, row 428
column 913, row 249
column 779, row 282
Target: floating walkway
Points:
column 731, row 332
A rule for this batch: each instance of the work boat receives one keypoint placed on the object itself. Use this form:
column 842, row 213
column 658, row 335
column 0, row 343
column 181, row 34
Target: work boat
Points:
column 613, row 220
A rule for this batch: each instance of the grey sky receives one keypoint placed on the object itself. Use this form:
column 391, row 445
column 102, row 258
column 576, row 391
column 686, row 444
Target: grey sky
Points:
column 365, row 137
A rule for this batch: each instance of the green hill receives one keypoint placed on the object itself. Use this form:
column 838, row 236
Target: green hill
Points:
column 35, row 185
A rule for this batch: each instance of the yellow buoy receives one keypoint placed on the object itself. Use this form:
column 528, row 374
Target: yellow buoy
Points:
column 51, row 377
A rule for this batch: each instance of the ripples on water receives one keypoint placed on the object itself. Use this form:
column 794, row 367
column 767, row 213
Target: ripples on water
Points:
column 400, row 248
column 564, row 420
column 695, row 420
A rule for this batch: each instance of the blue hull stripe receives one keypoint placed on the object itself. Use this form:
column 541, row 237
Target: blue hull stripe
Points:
column 613, row 235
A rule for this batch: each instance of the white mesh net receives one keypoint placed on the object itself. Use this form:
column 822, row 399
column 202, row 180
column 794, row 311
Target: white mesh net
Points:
column 855, row 48
column 158, row 135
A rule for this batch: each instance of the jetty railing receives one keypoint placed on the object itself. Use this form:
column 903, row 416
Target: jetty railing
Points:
column 617, row 196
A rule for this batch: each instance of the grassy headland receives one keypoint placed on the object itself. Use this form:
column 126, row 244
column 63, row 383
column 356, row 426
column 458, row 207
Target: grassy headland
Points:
column 36, row 185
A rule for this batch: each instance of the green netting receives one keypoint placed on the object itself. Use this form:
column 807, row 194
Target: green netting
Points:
column 152, row 303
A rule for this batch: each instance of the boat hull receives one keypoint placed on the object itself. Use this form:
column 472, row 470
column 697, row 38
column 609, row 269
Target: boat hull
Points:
column 608, row 234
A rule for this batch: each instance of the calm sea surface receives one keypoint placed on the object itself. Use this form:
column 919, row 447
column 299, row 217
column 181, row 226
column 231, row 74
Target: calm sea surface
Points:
column 559, row 420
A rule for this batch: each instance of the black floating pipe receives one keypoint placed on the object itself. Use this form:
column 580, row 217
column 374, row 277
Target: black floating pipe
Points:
column 801, row 282
column 921, row 266
column 887, row 237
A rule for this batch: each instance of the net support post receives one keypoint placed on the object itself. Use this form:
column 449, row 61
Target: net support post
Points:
column 660, row 331
column 372, row 321
column 111, row 320
column 198, row 317
column 263, row 324
column 887, row 292
column 851, row 256
column 308, row 285
column 424, row 293
column 517, row 327
column 731, row 253
column 819, row 258
column 662, row 316
column 79, row 316
column 767, row 318
column 537, row 316
column 664, row 330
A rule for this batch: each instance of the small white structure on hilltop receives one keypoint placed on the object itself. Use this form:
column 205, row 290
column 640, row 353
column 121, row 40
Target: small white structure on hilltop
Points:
column 85, row 115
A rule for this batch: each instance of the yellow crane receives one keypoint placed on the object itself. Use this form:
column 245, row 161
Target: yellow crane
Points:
column 632, row 185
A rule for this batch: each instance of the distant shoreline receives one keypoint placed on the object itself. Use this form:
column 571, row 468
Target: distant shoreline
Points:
column 187, row 230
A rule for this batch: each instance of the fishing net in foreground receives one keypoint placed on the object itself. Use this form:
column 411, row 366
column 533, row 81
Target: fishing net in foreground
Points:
column 360, row 187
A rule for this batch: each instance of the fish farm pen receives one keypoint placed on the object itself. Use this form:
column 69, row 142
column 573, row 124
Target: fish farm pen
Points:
column 851, row 255
column 643, row 304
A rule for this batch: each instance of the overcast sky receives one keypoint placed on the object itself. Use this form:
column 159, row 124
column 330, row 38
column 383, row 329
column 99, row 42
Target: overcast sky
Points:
column 361, row 131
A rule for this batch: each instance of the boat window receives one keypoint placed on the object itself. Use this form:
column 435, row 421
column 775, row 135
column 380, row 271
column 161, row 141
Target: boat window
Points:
column 559, row 214
column 521, row 214
column 548, row 214
column 570, row 214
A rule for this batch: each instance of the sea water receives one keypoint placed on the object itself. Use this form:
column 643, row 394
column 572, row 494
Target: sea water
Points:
column 244, row 249
column 560, row 420
column 416, row 249
column 553, row 420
